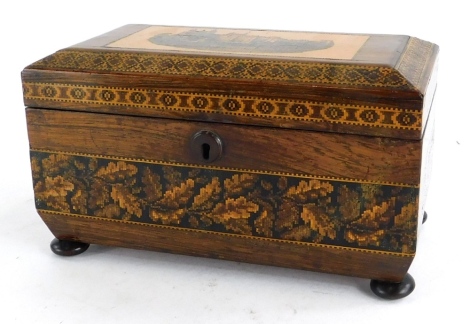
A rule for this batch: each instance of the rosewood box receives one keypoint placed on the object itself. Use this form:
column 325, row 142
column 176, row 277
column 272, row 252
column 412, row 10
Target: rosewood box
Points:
column 294, row 149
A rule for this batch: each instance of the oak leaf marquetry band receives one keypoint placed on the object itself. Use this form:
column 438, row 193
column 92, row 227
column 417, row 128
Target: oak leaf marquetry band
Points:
column 299, row 209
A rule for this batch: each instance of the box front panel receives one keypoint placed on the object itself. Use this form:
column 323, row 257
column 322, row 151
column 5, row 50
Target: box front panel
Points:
column 279, row 187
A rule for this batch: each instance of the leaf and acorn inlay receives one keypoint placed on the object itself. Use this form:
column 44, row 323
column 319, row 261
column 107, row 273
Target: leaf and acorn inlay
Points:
column 350, row 214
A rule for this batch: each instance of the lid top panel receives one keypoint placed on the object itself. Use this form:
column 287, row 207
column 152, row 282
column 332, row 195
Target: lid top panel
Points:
column 269, row 44
column 244, row 42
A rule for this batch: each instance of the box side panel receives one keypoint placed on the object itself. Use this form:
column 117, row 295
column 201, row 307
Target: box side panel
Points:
column 429, row 98
column 426, row 168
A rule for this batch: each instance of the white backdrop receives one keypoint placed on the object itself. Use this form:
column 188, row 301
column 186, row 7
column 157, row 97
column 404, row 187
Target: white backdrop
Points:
column 111, row 285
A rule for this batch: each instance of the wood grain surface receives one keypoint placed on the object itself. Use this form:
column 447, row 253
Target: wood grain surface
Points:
column 349, row 157
column 351, row 262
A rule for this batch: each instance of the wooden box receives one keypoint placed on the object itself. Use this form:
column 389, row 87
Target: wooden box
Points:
column 293, row 149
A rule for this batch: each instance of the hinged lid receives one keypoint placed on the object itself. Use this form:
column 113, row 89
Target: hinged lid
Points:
column 379, row 85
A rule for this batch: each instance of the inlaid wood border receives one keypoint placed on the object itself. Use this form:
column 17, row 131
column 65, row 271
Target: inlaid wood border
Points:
column 255, row 238
column 262, row 204
column 310, row 111
column 222, row 67
column 202, row 166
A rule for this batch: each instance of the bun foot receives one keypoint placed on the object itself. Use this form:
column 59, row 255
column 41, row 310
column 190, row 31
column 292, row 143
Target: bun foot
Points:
column 393, row 290
column 68, row 248
column 425, row 217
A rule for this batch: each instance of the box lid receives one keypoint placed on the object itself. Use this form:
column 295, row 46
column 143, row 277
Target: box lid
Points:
column 380, row 85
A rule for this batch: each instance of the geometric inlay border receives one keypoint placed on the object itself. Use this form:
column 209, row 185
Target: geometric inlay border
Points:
column 311, row 111
column 224, row 67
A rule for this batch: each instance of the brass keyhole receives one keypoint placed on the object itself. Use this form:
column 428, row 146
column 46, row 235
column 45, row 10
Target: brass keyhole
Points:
column 206, row 148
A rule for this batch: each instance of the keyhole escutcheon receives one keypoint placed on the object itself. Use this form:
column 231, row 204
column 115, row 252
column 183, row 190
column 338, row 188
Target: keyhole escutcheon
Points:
column 206, row 146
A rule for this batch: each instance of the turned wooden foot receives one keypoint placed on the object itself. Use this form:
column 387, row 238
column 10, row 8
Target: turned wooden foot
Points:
column 68, row 248
column 393, row 290
column 425, row 217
